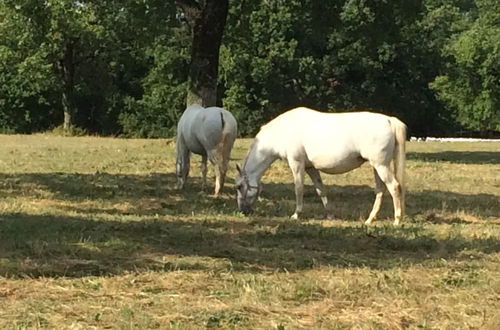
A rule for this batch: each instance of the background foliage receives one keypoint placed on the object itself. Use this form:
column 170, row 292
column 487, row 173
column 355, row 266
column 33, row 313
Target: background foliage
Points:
column 434, row 63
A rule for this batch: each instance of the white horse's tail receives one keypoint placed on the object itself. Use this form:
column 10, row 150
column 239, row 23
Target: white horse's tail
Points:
column 399, row 129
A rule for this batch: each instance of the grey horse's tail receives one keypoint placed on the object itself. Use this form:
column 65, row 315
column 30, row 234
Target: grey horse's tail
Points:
column 222, row 120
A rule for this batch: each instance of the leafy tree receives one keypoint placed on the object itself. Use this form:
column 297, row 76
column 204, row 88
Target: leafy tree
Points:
column 128, row 66
column 148, row 55
column 184, row 69
column 331, row 55
column 156, row 112
column 262, row 69
column 470, row 85
column 26, row 78
column 155, row 90
column 62, row 36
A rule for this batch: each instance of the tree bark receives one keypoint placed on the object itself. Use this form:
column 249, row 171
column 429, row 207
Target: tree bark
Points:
column 67, row 67
column 207, row 19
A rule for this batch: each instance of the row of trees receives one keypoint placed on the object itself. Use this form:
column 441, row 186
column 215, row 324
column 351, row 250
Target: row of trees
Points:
column 128, row 66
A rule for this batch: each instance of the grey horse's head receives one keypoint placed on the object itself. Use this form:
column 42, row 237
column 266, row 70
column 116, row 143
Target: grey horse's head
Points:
column 246, row 193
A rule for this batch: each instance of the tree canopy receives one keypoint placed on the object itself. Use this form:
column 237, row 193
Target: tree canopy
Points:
column 124, row 67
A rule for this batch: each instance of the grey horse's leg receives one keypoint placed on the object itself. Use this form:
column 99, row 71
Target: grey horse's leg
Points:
column 387, row 176
column 220, row 177
column 216, row 159
column 379, row 194
column 203, row 167
column 220, row 158
column 182, row 163
column 320, row 188
column 298, row 169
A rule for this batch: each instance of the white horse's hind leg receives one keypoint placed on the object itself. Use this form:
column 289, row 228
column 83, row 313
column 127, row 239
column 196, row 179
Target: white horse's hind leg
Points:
column 320, row 188
column 379, row 194
column 394, row 188
column 297, row 168
column 203, row 168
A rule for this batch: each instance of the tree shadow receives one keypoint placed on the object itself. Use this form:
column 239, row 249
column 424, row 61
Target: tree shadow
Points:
column 155, row 194
column 145, row 194
column 83, row 244
column 461, row 157
column 77, row 186
column 53, row 246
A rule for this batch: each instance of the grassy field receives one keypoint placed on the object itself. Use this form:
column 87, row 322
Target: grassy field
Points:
column 93, row 236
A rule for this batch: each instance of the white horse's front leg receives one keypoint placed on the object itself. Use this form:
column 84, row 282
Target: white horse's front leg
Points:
column 298, row 178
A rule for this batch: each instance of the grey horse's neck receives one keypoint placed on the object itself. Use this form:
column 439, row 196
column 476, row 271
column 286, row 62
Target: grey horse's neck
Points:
column 257, row 162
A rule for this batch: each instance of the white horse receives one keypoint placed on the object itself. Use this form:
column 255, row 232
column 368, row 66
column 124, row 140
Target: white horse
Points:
column 332, row 143
column 209, row 132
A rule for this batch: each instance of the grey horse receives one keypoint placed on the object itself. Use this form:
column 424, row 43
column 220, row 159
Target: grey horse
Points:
column 209, row 132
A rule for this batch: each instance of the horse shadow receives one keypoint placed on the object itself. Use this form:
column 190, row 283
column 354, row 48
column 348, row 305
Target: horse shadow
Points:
column 355, row 202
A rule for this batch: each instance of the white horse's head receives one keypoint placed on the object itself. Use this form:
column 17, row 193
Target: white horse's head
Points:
column 246, row 193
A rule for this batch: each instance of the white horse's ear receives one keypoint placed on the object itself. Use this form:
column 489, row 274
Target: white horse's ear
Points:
column 238, row 168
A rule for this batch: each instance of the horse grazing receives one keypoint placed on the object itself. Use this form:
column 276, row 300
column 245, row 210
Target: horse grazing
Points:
column 332, row 143
column 209, row 132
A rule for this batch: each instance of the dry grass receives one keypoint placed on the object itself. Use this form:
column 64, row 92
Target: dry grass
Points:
column 92, row 235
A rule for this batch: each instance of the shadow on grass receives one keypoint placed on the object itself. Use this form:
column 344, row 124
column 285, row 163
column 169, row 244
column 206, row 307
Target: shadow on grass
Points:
column 52, row 246
column 462, row 157
column 355, row 202
column 76, row 186
column 83, row 245
column 154, row 194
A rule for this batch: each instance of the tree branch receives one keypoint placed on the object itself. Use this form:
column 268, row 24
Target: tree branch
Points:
column 187, row 3
column 191, row 8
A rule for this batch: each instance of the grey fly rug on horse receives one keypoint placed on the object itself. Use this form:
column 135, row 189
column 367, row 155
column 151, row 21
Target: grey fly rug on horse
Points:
column 209, row 132
column 312, row 141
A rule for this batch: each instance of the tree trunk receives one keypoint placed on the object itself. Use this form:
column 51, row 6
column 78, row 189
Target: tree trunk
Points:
column 67, row 67
column 207, row 19
column 68, row 112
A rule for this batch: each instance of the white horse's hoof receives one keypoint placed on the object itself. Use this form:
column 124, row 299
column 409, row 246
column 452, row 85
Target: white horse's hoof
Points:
column 294, row 216
column 368, row 222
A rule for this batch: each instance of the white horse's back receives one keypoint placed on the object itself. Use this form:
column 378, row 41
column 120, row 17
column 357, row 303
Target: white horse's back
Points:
column 331, row 142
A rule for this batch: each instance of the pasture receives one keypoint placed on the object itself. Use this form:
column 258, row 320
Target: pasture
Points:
column 92, row 235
